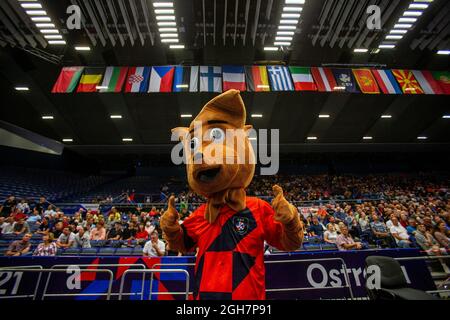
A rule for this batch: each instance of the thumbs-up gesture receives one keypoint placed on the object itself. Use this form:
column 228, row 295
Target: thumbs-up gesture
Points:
column 284, row 211
column 169, row 219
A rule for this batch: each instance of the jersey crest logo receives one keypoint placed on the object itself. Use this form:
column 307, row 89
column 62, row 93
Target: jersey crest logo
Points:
column 240, row 225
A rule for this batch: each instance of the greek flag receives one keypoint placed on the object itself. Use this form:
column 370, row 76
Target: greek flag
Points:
column 280, row 79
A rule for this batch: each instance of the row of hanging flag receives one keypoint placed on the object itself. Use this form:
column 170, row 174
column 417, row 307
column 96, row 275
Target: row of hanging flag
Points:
column 250, row 78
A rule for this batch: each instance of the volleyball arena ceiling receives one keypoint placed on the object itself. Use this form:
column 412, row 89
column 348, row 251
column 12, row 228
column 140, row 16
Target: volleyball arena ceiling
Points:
column 218, row 32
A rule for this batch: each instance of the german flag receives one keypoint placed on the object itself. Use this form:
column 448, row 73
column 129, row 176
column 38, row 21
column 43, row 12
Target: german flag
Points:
column 256, row 78
column 90, row 79
column 407, row 82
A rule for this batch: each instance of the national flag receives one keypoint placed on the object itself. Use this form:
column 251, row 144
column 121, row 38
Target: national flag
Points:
column 443, row 79
column 137, row 79
column 256, row 78
column 366, row 81
column 303, row 79
column 185, row 79
column 345, row 80
column 386, row 81
column 233, row 78
column 324, row 79
column 161, row 79
column 67, row 79
column 90, row 79
column 210, row 79
column 427, row 82
column 407, row 81
column 113, row 79
column 280, row 79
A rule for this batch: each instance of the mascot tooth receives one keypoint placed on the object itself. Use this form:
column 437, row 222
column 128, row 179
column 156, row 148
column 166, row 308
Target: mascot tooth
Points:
column 230, row 229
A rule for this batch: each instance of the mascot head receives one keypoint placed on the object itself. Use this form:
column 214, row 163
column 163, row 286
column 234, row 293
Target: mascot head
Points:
column 220, row 158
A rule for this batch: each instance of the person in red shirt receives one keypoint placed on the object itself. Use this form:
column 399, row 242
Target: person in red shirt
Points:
column 230, row 229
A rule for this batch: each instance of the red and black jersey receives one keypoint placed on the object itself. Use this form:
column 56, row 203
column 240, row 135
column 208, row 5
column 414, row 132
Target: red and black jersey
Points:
column 230, row 259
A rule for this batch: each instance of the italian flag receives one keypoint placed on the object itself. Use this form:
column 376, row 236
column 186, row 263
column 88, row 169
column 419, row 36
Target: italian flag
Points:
column 303, row 79
column 67, row 80
column 113, row 79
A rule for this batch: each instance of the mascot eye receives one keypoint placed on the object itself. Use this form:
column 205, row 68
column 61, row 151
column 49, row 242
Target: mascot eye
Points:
column 217, row 135
column 194, row 143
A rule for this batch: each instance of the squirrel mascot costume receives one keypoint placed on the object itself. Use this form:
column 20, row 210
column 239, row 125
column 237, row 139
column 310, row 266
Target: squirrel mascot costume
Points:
column 230, row 229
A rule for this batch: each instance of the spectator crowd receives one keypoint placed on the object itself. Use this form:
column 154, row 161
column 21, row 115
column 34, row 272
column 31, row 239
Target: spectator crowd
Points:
column 350, row 212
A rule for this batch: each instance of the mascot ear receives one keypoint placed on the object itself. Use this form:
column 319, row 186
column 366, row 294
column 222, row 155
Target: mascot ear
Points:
column 248, row 127
column 179, row 133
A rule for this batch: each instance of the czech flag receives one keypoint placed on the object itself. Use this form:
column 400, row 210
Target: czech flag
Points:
column 161, row 79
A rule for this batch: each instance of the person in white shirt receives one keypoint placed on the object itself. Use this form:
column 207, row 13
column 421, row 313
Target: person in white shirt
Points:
column 49, row 212
column 154, row 247
column 330, row 235
column 400, row 234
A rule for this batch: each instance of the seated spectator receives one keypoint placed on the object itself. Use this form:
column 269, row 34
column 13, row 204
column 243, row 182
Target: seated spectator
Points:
column 149, row 227
column 442, row 235
column 42, row 205
column 332, row 221
column 18, row 215
column 130, row 231
column 316, row 229
column 7, row 225
column 66, row 239
column 50, row 211
column 113, row 215
column 44, row 227
column 20, row 227
column 141, row 234
column 116, row 232
column 35, row 217
column 400, row 234
column 427, row 242
column 330, row 235
column 57, row 229
column 154, row 247
column 412, row 226
column 23, row 206
column 47, row 248
column 344, row 241
column 99, row 232
column 8, row 206
column 19, row 247
column 82, row 238
column 339, row 214
column 380, row 232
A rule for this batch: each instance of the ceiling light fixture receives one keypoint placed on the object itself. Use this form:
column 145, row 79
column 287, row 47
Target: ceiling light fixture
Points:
column 311, row 138
column 270, row 49
column 83, row 48
column 67, row 140
column 41, row 19
column 186, row 115
column 22, row 88
column 324, row 116
column 57, row 42
column 176, row 46
column 127, row 139
column 360, row 50
column 116, row 116
column 163, row 4
column 443, row 52
column 257, row 115
column 47, row 118
column 36, row 12
column 386, row 116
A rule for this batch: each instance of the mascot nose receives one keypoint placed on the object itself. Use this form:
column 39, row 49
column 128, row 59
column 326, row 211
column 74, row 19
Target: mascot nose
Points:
column 198, row 156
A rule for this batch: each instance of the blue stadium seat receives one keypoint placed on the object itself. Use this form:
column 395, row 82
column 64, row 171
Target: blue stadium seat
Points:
column 108, row 251
column 312, row 247
column 88, row 251
column 329, row 246
column 124, row 251
column 70, row 252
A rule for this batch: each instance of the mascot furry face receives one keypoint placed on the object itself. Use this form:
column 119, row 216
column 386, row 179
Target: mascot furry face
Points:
column 220, row 158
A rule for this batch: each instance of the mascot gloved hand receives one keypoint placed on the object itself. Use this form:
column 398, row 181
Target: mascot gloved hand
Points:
column 230, row 229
